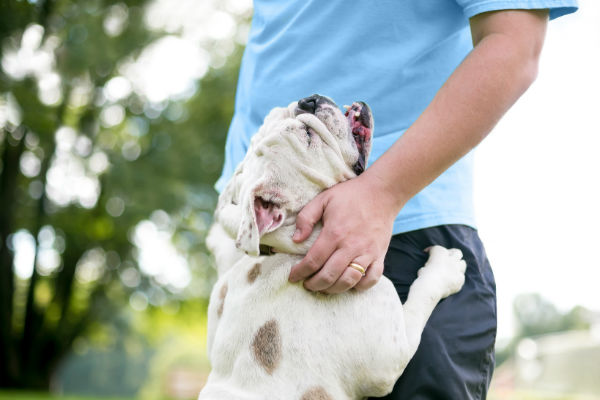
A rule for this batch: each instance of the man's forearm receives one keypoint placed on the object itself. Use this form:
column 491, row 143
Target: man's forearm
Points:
column 502, row 65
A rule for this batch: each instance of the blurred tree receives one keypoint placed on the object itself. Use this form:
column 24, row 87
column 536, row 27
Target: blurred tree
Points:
column 537, row 316
column 85, row 157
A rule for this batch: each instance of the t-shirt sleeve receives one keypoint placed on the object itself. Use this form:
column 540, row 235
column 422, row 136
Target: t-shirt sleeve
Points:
column 557, row 8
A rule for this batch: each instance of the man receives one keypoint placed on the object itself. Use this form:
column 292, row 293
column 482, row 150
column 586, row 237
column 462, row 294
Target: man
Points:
column 438, row 75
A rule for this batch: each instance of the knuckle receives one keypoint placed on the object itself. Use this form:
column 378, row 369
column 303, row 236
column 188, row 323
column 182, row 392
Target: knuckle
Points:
column 328, row 278
column 348, row 281
column 336, row 232
column 311, row 264
column 356, row 244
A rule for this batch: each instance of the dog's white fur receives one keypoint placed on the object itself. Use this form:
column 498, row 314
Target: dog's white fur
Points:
column 269, row 339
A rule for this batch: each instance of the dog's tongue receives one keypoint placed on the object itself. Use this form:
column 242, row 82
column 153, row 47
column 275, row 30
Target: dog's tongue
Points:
column 359, row 122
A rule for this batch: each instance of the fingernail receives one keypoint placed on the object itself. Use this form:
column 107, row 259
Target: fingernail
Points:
column 296, row 234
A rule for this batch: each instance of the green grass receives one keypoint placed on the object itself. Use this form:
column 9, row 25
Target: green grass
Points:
column 18, row 395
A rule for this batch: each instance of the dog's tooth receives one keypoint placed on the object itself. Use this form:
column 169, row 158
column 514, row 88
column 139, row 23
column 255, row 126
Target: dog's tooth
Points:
column 346, row 107
column 357, row 114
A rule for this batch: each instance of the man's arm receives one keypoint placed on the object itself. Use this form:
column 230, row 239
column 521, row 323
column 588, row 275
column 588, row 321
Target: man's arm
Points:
column 358, row 214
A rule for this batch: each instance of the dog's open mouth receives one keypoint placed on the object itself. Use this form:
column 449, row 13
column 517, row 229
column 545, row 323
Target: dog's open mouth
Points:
column 269, row 215
column 359, row 119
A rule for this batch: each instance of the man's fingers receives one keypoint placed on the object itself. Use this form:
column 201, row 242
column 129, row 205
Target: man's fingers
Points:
column 373, row 274
column 350, row 277
column 361, row 261
column 313, row 260
column 308, row 217
column 327, row 276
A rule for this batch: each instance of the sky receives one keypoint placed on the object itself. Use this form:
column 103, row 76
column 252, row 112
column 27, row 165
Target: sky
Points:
column 537, row 177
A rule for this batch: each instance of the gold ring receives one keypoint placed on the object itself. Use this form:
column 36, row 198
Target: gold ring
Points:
column 357, row 267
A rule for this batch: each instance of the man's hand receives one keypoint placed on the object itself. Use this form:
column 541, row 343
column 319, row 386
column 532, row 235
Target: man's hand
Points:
column 357, row 227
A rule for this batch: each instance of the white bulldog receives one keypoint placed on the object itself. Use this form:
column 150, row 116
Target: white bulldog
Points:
column 269, row 339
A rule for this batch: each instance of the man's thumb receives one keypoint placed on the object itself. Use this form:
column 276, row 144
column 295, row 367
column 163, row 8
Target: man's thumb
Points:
column 307, row 218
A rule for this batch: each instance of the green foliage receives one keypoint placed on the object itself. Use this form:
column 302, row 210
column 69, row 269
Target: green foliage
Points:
column 161, row 156
column 22, row 395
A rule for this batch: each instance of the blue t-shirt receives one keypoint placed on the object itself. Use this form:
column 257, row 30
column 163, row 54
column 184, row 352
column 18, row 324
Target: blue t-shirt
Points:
column 394, row 55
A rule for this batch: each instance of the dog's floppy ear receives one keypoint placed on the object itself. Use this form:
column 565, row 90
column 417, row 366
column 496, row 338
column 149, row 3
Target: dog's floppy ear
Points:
column 248, row 238
column 259, row 216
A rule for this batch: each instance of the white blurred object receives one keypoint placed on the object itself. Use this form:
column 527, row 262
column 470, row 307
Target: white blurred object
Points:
column 536, row 190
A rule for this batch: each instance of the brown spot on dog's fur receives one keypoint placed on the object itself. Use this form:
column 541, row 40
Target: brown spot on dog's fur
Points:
column 266, row 346
column 253, row 273
column 316, row 393
column 222, row 295
column 223, row 291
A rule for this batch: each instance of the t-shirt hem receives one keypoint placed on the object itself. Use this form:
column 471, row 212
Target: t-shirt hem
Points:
column 557, row 8
column 402, row 225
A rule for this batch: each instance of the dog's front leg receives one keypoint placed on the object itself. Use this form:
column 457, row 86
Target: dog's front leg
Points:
column 442, row 275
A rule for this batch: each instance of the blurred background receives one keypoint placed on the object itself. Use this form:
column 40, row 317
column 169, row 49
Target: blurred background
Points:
column 113, row 116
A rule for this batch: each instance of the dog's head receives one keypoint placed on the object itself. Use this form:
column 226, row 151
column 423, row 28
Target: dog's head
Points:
column 298, row 152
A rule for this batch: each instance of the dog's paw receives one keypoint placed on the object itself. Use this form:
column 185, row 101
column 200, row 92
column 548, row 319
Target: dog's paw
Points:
column 446, row 267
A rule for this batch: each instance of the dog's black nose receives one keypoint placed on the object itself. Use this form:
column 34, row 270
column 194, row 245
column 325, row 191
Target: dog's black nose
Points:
column 308, row 104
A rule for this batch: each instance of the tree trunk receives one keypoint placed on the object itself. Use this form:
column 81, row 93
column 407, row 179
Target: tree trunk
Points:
column 13, row 148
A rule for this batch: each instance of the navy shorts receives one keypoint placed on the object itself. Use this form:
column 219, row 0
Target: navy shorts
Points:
column 455, row 358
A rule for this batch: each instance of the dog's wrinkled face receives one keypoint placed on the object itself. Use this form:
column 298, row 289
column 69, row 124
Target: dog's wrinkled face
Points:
column 299, row 151
column 358, row 121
